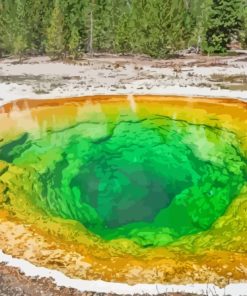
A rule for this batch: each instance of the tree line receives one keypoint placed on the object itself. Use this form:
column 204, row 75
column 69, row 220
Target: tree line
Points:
column 154, row 27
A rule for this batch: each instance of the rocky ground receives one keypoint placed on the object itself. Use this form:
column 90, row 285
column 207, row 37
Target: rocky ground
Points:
column 39, row 77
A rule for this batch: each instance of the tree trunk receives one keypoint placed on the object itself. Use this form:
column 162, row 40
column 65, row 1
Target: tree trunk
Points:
column 91, row 34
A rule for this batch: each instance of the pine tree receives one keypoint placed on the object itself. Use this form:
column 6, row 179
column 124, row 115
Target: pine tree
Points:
column 107, row 15
column 9, row 27
column 156, row 27
column 14, row 33
column 124, row 32
column 243, row 32
column 153, row 27
column 200, row 14
column 55, row 44
column 224, row 21
column 1, row 29
column 74, row 42
column 90, row 24
column 38, row 18
column 21, row 40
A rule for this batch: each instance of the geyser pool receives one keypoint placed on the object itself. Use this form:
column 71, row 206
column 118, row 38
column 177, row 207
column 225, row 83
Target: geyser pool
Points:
column 99, row 174
column 147, row 177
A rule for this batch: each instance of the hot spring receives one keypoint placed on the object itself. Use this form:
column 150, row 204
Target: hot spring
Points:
column 137, row 189
column 141, row 174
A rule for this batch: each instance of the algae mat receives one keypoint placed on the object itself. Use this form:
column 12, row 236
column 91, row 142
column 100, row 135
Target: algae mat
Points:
column 135, row 189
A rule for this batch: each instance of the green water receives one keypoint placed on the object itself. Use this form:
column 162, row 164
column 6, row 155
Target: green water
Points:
column 150, row 180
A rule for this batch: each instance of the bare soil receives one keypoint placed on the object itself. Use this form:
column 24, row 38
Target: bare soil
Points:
column 15, row 283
